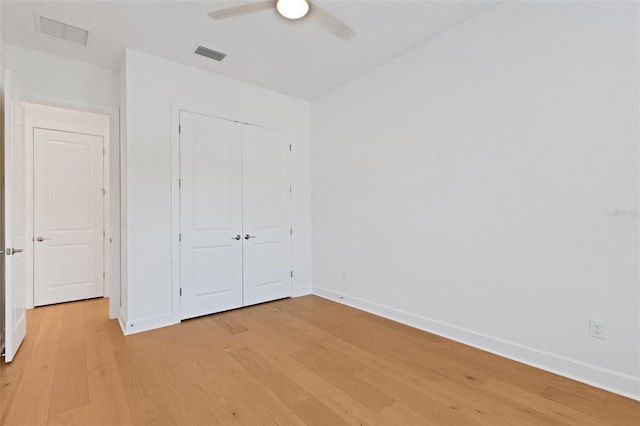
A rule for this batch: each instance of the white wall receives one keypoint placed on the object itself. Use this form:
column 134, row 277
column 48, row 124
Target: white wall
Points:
column 153, row 86
column 54, row 81
column 53, row 77
column 485, row 186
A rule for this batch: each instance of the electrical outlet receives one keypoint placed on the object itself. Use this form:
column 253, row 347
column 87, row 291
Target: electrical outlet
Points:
column 597, row 328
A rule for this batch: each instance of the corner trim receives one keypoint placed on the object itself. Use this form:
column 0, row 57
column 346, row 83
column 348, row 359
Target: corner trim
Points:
column 122, row 320
column 146, row 324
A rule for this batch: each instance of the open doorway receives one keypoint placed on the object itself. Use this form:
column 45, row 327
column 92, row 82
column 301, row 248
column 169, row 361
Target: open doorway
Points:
column 68, row 204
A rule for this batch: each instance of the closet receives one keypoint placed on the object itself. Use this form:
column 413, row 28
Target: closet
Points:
column 235, row 214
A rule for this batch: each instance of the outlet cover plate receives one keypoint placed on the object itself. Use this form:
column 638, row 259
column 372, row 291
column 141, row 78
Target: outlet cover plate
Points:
column 597, row 328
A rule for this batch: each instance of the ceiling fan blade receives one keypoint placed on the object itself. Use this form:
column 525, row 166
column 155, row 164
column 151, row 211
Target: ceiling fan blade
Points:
column 331, row 23
column 243, row 9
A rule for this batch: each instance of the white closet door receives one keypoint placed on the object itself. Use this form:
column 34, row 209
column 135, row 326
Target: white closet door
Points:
column 210, row 215
column 68, row 216
column 266, row 215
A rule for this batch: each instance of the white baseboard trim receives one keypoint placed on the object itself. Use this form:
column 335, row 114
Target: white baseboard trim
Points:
column 146, row 324
column 622, row 384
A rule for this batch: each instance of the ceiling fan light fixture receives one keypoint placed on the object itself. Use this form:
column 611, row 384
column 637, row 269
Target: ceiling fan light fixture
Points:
column 292, row 9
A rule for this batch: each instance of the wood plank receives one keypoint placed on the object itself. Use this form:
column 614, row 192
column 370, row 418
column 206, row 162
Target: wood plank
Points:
column 34, row 320
column 236, row 413
column 96, row 315
column 189, row 406
column 287, row 390
column 107, row 400
column 341, row 376
column 590, row 401
column 313, row 412
column 11, row 373
column 437, row 406
column 70, row 387
column 557, row 413
column 401, row 415
column 341, row 403
column 137, row 372
column 8, row 387
column 78, row 416
column 230, row 325
column 622, row 404
column 294, row 361
column 151, row 409
column 270, row 410
column 30, row 405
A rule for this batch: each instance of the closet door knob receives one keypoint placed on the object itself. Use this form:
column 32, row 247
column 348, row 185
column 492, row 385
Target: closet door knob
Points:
column 237, row 237
column 247, row 236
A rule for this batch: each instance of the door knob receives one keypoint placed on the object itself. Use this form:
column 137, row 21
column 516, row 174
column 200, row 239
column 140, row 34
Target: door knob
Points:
column 41, row 239
column 237, row 237
column 10, row 251
column 247, row 236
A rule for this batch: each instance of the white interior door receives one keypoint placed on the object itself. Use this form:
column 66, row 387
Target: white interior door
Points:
column 68, row 216
column 14, row 220
column 210, row 215
column 266, row 215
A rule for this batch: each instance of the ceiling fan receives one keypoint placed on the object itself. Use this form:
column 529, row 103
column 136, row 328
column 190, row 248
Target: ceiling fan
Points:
column 291, row 9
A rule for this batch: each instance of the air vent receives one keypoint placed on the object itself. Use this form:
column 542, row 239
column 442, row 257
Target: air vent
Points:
column 63, row 31
column 209, row 53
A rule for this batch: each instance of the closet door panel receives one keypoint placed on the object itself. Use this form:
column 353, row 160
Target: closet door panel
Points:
column 266, row 215
column 210, row 215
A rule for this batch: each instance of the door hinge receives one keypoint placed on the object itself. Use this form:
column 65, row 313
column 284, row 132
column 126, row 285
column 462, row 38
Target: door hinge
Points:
column 180, row 237
column 291, row 274
column 104, row 151
column 179, row 129
column 290, row 189
column 104, row 233
column 290, row 231
column 180, row 291
column 104, row 274
column 179, row 183
column 104, row 192
column 290, row 148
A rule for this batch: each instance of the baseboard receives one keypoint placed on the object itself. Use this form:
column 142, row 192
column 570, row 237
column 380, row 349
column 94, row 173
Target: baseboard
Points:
column 612, row 381
column 145, row 324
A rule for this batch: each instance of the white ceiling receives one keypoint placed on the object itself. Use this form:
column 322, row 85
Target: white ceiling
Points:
column 293, row 57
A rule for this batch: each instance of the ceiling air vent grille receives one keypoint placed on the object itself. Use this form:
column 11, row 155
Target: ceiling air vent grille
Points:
column 209, row 53
column 63, row 31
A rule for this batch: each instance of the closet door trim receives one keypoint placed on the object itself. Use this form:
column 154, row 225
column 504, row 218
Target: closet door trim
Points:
column 176, row 108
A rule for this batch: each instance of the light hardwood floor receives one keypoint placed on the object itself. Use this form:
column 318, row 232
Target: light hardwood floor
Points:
column 290, row 362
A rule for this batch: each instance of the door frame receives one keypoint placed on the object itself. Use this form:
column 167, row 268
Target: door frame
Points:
column 176, row 108
column 78, row 118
